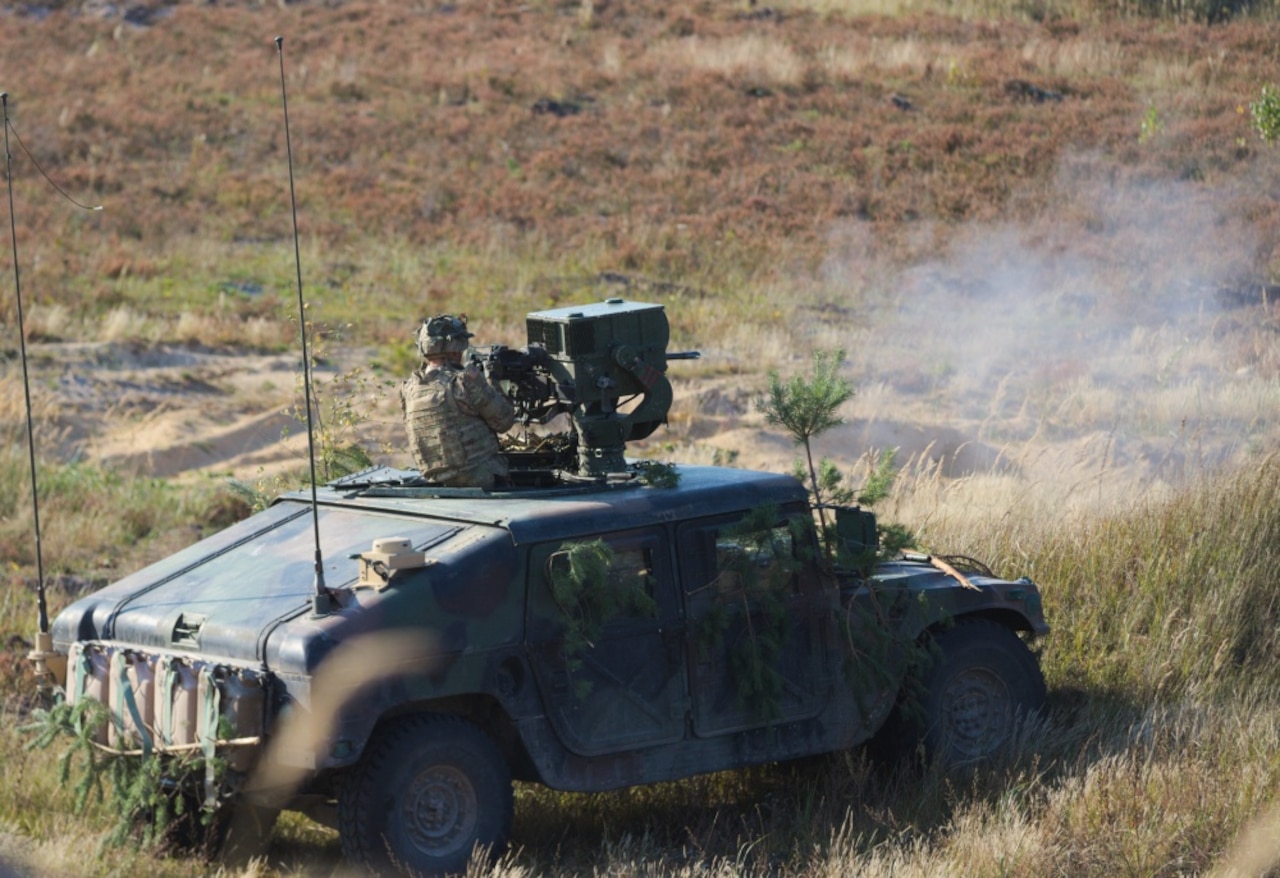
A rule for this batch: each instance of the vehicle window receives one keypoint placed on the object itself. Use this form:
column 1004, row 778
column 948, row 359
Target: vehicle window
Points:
column 739, row 556
column 632, row 568
column 613, row 577
column 763, row 558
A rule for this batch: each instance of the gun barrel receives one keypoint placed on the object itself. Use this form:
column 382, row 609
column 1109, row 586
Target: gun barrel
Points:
column 684, row 355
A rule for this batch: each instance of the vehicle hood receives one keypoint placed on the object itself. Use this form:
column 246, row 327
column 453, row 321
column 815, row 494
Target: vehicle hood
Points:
column 224, row 596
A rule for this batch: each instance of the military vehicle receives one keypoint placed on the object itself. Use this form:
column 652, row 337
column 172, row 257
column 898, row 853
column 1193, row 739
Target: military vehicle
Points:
column 588, row 626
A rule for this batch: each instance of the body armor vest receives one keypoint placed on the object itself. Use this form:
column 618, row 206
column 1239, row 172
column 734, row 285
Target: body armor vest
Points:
column 452, row 419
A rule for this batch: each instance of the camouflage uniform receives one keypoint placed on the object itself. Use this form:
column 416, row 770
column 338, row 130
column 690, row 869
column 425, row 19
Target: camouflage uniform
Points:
column 453, row 416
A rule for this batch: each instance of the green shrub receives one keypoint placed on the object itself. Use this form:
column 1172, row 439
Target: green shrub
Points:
column 1265, row 114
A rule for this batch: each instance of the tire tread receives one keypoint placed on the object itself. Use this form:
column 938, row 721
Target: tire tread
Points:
column 361, row 843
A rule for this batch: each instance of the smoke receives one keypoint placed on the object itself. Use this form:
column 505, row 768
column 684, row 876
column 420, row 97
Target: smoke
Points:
column 1021, row 298
column 1124, row 307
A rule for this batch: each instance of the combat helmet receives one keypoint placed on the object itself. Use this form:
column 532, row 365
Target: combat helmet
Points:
column 444, row 334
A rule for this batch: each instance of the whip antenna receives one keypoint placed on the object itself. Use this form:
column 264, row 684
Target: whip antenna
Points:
column 44, row 643
column 320, row 601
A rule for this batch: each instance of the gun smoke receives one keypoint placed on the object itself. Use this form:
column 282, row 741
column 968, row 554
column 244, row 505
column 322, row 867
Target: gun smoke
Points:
column 1129, row 326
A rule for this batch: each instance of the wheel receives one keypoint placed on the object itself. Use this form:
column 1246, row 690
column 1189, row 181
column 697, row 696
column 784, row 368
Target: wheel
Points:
column 429, row 790
column 982, row 681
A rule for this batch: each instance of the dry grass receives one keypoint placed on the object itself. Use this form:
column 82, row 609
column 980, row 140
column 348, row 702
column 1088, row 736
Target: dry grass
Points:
column 716, row 148
column 1052, row 310
column 749, row 57
column 1158, row 751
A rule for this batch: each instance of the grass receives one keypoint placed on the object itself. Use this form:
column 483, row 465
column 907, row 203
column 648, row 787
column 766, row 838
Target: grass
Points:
column 1158, row 750
column 473, row 198
column 1072, row 289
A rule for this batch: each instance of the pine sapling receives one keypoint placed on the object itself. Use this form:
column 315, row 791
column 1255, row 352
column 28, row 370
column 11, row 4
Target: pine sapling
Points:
column 808, row 406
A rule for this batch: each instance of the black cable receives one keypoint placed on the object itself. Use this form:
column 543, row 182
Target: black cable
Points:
column 57, row 188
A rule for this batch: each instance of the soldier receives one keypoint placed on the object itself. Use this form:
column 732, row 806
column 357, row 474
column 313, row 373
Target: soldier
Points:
column 453, row 414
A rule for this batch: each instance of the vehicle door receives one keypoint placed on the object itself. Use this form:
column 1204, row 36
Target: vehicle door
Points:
column 606, row 641
column 756, row 619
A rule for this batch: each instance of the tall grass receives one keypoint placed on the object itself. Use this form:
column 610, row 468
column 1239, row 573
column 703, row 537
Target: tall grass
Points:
column 1168, row 594
column 214, row 293
column 1160, row 745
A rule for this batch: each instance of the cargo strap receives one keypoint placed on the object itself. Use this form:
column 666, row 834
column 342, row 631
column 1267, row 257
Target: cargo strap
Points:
column 164, row 716
column 212, row 711
column 124, row 693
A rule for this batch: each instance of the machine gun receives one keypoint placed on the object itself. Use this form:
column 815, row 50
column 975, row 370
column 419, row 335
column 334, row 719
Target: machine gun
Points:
column 604, row 365
column 525, row 377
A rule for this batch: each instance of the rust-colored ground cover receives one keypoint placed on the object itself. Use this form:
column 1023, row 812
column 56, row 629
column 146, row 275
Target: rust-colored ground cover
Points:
column 704, row 143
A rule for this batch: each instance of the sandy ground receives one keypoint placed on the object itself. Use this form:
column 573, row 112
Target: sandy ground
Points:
column 175, row 411
column 181, row 411
column 168, row 410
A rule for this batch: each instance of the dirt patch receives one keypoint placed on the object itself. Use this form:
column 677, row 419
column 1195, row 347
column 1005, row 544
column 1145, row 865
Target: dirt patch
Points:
column 162, row 410
column 187, row 411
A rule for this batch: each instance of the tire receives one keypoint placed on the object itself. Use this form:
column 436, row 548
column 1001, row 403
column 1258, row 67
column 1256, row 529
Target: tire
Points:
column 982, row 682
column 429, row 790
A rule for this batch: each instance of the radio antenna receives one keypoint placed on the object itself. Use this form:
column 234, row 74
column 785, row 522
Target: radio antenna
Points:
column 44, row 642
column 321, row 602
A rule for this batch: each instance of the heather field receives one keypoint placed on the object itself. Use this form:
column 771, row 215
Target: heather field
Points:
column 1045, row 232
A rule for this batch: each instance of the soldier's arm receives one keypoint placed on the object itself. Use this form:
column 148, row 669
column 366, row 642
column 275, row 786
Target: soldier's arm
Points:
column 490, row 403
column 497, row 411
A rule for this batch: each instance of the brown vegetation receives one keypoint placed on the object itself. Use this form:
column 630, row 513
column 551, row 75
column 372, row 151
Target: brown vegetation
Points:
column 1045, row 232
column 714, row 144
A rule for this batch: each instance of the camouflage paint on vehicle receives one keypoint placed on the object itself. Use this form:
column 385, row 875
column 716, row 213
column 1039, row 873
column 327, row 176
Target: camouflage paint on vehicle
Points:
column 659, row 706
column 745, row 642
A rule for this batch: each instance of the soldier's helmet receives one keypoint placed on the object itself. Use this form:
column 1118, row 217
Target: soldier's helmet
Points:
column 444, row 334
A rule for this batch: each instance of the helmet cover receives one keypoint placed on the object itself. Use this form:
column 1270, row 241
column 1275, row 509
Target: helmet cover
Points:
column 443, row 334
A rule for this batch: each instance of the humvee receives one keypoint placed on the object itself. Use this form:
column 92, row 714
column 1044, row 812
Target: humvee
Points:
column 586, row 627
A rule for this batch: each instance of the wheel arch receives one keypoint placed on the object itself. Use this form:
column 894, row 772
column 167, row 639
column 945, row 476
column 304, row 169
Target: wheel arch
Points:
column 908, row 733
column 482, row 711
column 1006, row 618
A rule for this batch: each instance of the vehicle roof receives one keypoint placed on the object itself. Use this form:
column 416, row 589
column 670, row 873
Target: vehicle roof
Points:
column 534, row 514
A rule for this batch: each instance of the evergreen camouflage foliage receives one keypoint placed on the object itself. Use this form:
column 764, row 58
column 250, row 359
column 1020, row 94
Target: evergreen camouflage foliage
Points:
column 591, row 593
column 149, row 794
column 876, row 632
column 807, row 407
column 657, row 474
column 761, row 571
